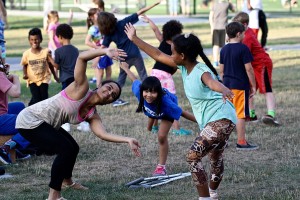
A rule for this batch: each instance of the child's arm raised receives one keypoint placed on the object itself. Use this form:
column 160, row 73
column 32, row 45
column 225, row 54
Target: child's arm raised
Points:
column 153, row 52
column 124, row 66
column 153, row 26
column 145, row 9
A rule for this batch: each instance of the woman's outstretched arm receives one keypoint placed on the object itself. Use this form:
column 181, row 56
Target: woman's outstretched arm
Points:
column 129, row 73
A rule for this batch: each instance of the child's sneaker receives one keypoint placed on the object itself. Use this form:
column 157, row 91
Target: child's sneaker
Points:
column 21, row 156
column 84, row 126
column 67, row 127
column 93, row 80
column 213, row 195
column 269, row 120
column 4, row 157
column 160, row 171
column 181, row 131
column 252, row 119
column 154, row 129
column 119, row 102
column 246, row 147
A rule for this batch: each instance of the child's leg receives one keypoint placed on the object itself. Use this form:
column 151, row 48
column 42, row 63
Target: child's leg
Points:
column 35, row 94
column 150, row 123
column 241, row 131
column 163, row 131
column 43, row 91
column 214, row 134
column 108, row 72
column 99, row 76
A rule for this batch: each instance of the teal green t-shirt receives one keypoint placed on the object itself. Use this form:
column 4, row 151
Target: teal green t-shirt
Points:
column 207, row 105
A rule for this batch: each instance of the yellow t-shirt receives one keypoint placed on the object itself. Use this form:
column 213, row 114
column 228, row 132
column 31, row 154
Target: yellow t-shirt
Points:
column 37, row 66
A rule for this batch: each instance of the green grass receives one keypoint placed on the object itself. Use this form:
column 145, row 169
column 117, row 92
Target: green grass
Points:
column 270, row 173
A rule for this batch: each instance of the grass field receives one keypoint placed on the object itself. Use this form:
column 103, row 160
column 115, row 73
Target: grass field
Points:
column 270, row 173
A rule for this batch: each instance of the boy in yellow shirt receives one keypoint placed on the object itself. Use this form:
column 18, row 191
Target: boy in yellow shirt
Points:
column 37, row 67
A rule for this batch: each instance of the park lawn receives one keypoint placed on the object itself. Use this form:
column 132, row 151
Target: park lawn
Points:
column 272, row 172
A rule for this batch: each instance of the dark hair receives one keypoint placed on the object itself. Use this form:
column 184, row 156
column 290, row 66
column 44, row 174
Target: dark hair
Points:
column 89, row 20
column 107, row 23
column 233, row 28
column 35, row 31
column 151, row 84
column 111, row 81
column 65, row 31
column 171, row 28
column 241, row 17
column 191, row 47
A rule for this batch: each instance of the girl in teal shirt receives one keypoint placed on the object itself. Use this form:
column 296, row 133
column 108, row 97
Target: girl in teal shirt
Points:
column 208, row 97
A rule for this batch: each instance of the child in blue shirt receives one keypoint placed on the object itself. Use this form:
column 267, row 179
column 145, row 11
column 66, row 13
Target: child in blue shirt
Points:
column 157, row 103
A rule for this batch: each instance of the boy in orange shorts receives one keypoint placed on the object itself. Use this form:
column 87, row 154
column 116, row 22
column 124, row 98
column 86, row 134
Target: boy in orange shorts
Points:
column 237, row 74
column 262, row 66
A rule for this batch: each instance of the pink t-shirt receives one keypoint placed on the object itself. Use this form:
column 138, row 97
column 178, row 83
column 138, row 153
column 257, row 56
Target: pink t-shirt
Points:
column 53, row 27
column 5, row 84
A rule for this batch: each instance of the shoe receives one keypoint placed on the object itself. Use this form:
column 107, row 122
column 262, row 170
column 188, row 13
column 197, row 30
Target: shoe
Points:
column 213, row 195
column 160, row 171
column 67, row 127
column 246, row 147
column 5, row 157
column 21, row 156
column 269, row 120
column 119, row 102
column 84, row 126
column 252, row 119
column 93, row 80
column 154, row 129
column 181, row 131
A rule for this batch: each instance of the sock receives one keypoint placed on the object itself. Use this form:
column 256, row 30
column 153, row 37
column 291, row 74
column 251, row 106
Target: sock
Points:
column 271, row 112
column 252, row 113
column 12, row 144
column 210, row 190
column 204, row 198
column 242, row 142
column 164, row 166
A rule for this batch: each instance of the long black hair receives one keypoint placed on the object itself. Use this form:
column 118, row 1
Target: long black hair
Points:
column 151, row 84
column 191, row 47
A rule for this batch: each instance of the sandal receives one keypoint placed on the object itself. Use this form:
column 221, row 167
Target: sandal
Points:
column 61, row 198
column 75, row 186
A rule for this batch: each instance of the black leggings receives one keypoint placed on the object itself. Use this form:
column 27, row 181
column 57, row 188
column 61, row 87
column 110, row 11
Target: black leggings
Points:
column 58, row 142
column 39, row 93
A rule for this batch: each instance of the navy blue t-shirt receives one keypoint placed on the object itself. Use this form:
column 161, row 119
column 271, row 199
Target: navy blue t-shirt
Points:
column 120, row 38
column 234, row 56
column 169, row 107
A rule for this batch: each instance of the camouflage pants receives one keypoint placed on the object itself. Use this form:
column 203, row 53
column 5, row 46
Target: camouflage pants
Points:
column 212, row 140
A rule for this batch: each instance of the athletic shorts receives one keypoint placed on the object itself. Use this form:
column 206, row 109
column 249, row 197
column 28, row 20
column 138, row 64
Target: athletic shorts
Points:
column 165, row 79
column 263, row 78
column 218, row 38
column 241, row 103
column 104, row 62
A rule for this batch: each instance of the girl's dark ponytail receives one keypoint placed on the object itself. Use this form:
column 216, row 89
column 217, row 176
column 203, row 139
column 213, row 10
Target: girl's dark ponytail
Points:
column 208, row 63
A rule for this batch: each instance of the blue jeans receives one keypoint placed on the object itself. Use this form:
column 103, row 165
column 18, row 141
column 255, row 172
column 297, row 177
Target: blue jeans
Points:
column 8, row 123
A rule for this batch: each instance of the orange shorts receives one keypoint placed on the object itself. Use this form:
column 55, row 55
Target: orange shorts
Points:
column 241, row 103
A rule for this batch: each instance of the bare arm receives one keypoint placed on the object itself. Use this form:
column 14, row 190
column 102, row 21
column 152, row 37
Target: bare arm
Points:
column 25, row 75
column 155, row 29
column 129, row 73
column 51, row 67
column 15, row 89
column 221, row 71
column 211, row 15
column 51, row 38
column 188, row 115
column 250, row 74
column 88, row 42
column 153, row 52
column 216, row 86
column 143, row 10
column 99, row 130
column 52, row 62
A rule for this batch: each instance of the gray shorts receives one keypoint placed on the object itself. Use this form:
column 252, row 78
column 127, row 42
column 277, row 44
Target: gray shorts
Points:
column 218, row 38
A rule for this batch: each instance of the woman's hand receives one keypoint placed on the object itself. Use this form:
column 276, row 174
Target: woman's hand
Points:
column 116, row 54
column 134, row 146
column 130, row 31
